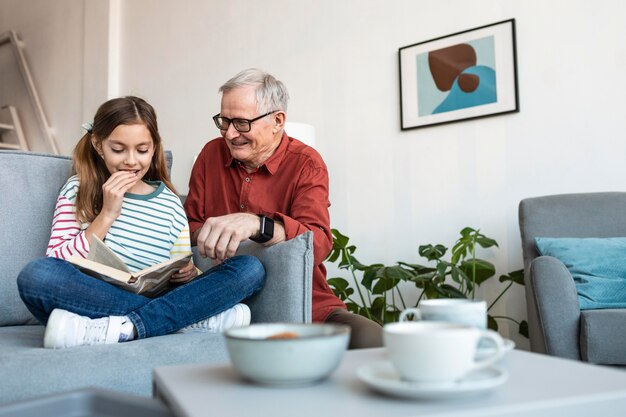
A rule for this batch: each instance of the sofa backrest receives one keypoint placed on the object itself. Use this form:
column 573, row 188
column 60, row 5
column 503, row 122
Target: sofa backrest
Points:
column 570, row 215
column 29, row 187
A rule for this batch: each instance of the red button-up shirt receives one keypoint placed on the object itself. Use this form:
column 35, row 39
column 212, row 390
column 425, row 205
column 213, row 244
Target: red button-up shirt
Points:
column 291, row 187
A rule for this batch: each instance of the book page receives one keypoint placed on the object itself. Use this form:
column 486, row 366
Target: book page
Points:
column 154, row 280
column 101, row 253
column 100, row 271
column 104, row 264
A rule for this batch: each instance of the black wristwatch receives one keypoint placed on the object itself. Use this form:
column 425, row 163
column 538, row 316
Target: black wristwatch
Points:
column 266, row 231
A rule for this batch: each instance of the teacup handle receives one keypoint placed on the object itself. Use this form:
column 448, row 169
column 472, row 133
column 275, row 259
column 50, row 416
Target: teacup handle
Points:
column 413, row 310
column 496, row 355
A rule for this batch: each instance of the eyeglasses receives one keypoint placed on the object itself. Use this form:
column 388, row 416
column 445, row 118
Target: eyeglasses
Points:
column 241, row 125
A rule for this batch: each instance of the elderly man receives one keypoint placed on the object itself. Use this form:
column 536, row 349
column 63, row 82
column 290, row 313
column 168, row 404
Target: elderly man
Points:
column 254, row 182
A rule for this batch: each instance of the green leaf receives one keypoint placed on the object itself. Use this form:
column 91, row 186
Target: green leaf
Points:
column 430, row 291
column 486, row 242
column 339, row 240
column 456, row 274
column 338, row 283
column 448, row 291
column 492, row 323
column 442, row 267
column 515, row 276
column 369, row 276
column 378, row 306
column 483, row 269
column 354, row 308
column 390, row 277
column 333, row 255
column 466, row 231
column 432, row 253
column 420, row 269
column 523, row 328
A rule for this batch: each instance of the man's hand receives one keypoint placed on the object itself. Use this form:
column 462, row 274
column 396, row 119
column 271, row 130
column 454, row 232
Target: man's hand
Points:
column 219, row 237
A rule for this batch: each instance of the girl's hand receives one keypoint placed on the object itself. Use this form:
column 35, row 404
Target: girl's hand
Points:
column 184, row 274
column 113, row 191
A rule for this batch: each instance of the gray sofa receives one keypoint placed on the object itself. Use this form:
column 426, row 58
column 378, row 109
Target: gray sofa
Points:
column 29, row 183
column 557, row 326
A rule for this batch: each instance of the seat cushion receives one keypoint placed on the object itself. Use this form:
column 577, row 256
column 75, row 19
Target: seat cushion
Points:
column 28, row 370
column 603, row 336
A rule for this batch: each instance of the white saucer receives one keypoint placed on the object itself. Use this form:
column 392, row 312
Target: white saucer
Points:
column 382, row 377
column 487, row 350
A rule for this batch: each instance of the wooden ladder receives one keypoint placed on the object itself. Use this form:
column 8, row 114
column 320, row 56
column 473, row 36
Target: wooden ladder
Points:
column 14, row 127
column 10, row 38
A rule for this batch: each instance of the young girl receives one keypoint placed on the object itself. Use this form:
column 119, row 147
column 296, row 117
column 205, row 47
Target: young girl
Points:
column 121, row 193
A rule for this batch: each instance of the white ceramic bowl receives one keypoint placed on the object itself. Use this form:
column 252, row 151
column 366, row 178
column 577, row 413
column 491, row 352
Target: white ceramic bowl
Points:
column 311, row 356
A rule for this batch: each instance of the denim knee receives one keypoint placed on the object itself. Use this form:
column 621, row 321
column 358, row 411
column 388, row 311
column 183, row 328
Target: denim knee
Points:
column 33, row 276
column 250, row 269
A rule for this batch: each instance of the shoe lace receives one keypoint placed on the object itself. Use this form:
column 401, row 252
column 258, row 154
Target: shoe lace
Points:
column 200, row 325
column 96, row 332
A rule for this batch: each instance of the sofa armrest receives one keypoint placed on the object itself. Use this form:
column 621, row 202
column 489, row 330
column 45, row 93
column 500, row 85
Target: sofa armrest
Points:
column 286, row 296
column 556, row 307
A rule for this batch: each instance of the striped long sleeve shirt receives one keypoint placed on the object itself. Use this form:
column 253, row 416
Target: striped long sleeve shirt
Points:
column 150, row 229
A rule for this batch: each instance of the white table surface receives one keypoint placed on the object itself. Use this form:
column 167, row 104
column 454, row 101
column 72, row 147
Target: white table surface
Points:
column 538, row 386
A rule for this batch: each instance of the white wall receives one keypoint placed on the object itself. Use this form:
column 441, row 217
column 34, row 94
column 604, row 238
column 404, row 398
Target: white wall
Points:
column 391, row 190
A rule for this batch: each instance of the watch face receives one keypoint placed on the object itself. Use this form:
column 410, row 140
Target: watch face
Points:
column 266, row 230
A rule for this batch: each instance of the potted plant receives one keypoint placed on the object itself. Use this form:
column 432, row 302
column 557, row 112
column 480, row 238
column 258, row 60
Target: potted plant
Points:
column 378, row 297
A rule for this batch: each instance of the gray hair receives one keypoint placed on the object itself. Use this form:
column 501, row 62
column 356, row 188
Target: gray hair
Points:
column 271, row 94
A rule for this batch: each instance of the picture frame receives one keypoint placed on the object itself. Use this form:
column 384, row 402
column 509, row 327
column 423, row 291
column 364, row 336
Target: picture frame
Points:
column 462, row 76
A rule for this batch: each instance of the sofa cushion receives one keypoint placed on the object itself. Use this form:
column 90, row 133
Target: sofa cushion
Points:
column 28, row 370
column 293, row 258
column 598, row 266
column 29, row 186
column 603, row 336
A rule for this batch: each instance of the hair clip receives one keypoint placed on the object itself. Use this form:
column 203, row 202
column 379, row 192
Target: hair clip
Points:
column 87, row 126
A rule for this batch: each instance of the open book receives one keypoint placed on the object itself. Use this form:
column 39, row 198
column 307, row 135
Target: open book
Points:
column 104, row 264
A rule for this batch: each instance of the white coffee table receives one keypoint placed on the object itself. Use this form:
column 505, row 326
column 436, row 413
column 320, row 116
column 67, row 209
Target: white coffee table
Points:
column 538, row 386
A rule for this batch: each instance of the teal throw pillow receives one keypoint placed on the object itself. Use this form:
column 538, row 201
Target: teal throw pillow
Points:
column 598, row 266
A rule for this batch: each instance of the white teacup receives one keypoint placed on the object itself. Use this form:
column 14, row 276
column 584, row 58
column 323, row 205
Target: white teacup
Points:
column 437, row 352
column 453, row 310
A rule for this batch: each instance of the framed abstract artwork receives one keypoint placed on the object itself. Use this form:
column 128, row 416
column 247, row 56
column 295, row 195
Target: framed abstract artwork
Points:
column 462, row 76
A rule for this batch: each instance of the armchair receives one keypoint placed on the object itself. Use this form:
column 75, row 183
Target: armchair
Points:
column 557, row 326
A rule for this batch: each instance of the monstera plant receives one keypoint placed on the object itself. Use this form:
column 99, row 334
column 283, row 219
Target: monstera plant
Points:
column 377, row 296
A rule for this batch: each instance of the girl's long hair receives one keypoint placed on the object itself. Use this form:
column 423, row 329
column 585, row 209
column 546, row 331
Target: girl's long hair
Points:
column 89, row 166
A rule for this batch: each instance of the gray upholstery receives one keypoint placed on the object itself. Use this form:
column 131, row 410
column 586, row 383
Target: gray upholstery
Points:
column 556, row 324
column 284, row 261
column 29, row 184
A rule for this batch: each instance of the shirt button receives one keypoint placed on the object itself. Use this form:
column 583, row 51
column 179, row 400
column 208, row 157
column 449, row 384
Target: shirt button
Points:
column 242, row 206
column 247, row 179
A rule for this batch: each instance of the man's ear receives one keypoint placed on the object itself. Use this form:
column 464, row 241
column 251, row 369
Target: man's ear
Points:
column 279, row 120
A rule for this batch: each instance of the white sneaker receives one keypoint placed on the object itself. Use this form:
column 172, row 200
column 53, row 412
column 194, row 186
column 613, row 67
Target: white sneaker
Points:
column 237, row 316
column 65, row 329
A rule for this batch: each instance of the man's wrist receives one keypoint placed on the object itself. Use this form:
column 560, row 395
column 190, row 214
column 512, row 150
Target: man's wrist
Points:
column 266, row 230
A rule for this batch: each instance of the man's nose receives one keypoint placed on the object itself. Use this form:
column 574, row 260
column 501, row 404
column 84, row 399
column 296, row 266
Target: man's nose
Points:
column 231, row 132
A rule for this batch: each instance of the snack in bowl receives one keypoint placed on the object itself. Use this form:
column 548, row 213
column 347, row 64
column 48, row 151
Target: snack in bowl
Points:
column 287, row 353
column 284, row 335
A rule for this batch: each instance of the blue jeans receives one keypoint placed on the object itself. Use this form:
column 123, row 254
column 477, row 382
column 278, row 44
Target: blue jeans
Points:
column 48, row 283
